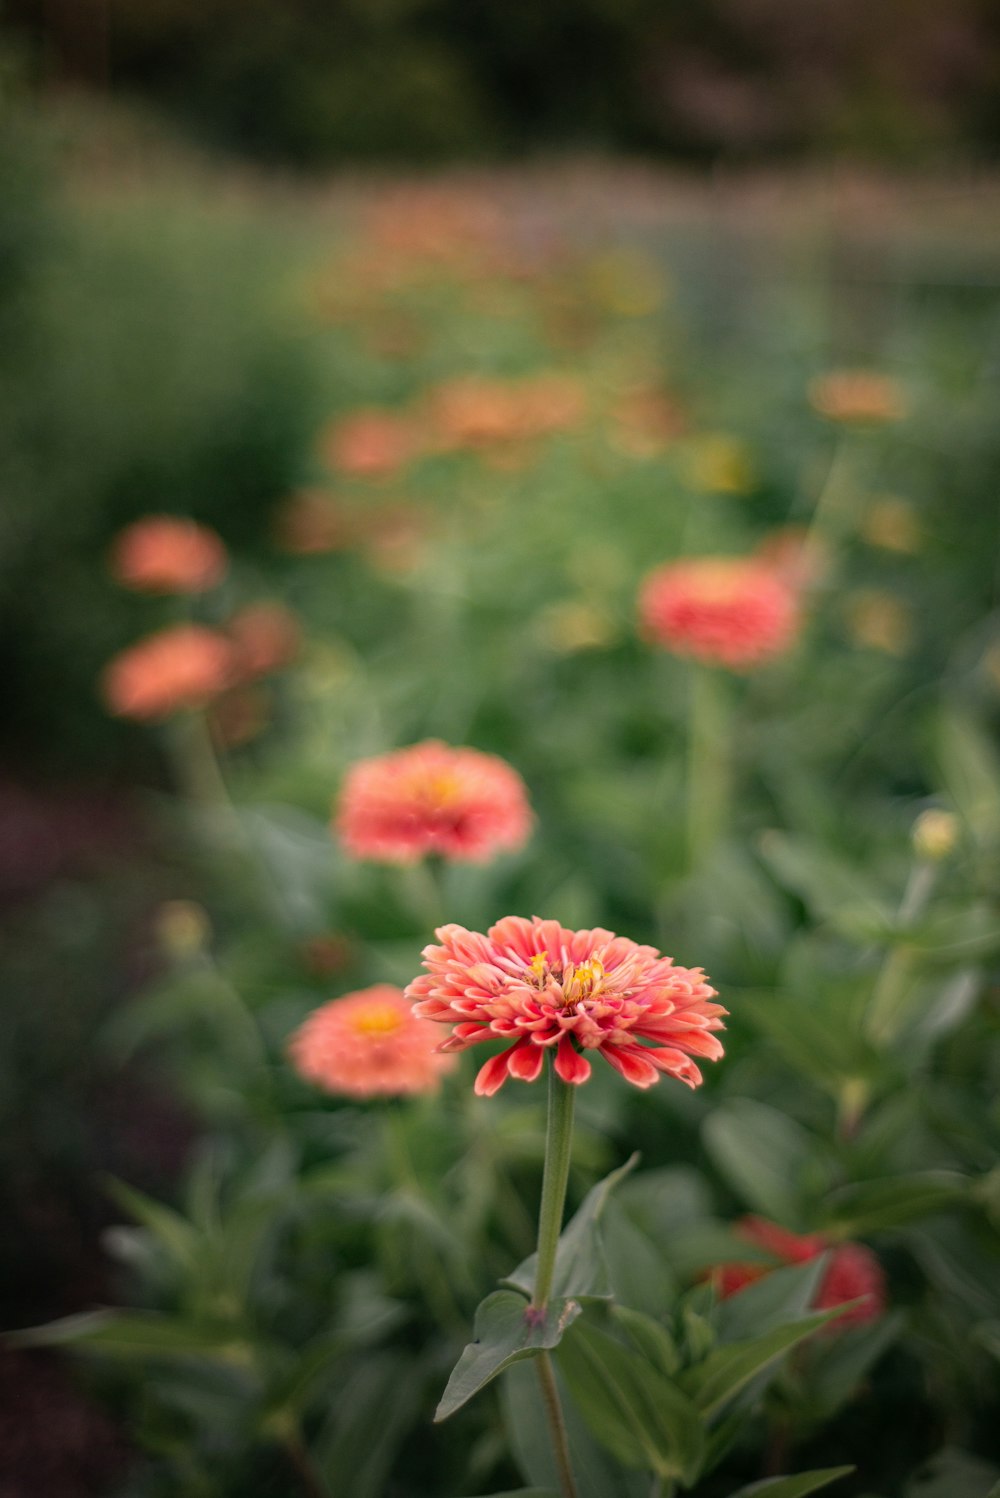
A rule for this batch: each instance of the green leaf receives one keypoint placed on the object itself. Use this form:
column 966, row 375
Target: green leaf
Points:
column 761, row 1152
column 505, row 1333
column 135, row 1334
column 177, row 1235
column 581, row 1270
column 820, row 1040
column 874, row 1205
column 530, row 1441
column 836, row 1374
column 642, row 1417
column 649, row 1338
column 526, row 1493
column 780, row 1297
column 833, row 890
column 970, row 773
column 793, row 1487
column 728, row 1369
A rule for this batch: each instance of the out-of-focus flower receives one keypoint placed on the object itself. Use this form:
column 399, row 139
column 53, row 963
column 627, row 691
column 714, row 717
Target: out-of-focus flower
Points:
column 311, row 522
column 368, row 1044
column 184, row 667
column 857, row 396
column 715, row 463
column 370, row 443
column 575, row 624
column 168, row 554
column 878, row 621
column 549, row 989
column 646, row 421
column 892, row 524
column 266, row 636
column 935, row 834
column 326, row 954
column 182, row 928
column 432, row 799
column 853, row 1273
column 238, row 717
column 795, row 554
column 478, row 412
column 722, row 611
column 394, row 539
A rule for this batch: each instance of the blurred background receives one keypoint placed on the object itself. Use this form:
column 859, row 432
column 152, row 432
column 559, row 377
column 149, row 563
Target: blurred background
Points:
column 225, row 228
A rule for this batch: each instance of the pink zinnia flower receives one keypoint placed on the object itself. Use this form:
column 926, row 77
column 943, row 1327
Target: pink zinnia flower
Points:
column 168, row 554
column 569, row 992
column 368, row 1044
column 432, row 798
column 169, row 672
column 853, row 1273
column 719, row 610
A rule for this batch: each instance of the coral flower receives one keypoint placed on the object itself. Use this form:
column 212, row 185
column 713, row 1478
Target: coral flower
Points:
column 368, row 1044
column 432, row 798
column 723, row 611
column 179, row 668
column 266, row 636
column 370, row 444
column 168, row 554
column 311, row 522
column 853, row 1273
column 857, row 396
column 544, row 988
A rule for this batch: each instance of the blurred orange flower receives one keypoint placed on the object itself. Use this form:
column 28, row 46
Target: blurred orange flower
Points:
column 168, row 554
column 857, row 396
column 793, row 553
column 722, row 611
column 853, row 1273
column 311, row 522
column 432, row 798
column 477, row 411
column 266, row 637
column 369, row 1044
column 370, row 443
column 180, row 668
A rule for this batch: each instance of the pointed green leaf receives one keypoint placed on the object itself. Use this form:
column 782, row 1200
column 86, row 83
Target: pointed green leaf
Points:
column 779, row 1297
column 642, row 1417
column 134, row 1334
column 793, row 1487
column 530, row 1440
column 835, row 1376
column 728, row 1369
column 649, row 1338
column 177, row 1235
column 505, row 1333
column 874, row 1205
column 581, row 1270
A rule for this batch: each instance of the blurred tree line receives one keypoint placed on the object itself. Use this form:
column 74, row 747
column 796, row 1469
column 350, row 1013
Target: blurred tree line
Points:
column 315, row 82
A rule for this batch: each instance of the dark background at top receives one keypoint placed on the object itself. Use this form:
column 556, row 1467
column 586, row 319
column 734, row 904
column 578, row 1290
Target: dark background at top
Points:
column 327, row 81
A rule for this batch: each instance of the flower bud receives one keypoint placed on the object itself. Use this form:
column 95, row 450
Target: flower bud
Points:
column 935, row 833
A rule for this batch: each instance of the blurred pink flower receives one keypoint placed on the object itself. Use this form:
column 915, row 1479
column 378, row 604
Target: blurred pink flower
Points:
column 370, row 443
column 180, row 668
column 546, row 988
column 168, row 554
column 266, row 636
column 431, row 798
column 723, row 611
column 853, row 1273
column 368, row 1044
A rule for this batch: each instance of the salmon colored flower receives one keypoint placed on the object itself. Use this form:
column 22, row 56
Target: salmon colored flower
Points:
column 266, row 637
column 168, row 554
column 311, row 522
column 368, row 1044
column 857, row 396
column 853, row 1273
column 795, row 554
column 723, row 611
column 431, row 798
column 177, row 669
column 544, row 988
column 370, row 443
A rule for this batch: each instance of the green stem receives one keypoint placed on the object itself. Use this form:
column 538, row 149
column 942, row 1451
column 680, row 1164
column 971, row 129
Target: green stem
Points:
column 888, row 999
column 197, row 767
column 708, row 764
column 557, row 1425
column 558, row 1148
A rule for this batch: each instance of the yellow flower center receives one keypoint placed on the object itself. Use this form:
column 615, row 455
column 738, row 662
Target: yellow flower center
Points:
column 377, row 1020
column 578, row 981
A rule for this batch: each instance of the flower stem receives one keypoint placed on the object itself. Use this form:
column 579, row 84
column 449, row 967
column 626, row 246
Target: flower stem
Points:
column 708, row 764
column 557, row 1425
column 558, row 1148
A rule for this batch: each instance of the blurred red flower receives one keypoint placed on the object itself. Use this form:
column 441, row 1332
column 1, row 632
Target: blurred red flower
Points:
column 723, row 611
column 168, row 554
column 180, row 668
column 853, row 1273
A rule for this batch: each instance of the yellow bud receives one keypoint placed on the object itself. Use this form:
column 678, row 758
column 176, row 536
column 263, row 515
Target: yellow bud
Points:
column 182, row 929
column 935, row 833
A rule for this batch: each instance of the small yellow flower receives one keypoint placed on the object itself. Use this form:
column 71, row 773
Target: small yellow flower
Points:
column 182, row 929
column 935, row 834
column 575, row 625
column 716, row 463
